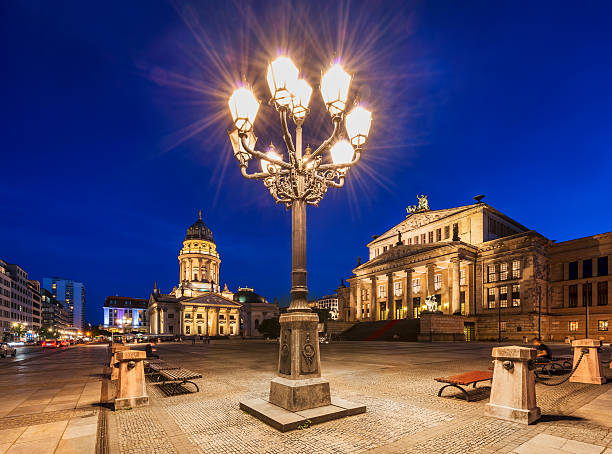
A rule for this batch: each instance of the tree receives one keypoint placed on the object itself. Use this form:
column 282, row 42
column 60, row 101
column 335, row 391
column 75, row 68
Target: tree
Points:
column 269, row 328
column 324, row 314
column 19, row 329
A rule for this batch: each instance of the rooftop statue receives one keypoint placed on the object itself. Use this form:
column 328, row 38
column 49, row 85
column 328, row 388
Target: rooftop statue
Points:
column 422, row 206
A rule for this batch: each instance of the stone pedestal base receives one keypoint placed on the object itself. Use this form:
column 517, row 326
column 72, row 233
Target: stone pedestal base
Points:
column 131, row 402
column 131, row 386
column 512, row 414
column 590, row 369
column 296, row 395
column 285, row 420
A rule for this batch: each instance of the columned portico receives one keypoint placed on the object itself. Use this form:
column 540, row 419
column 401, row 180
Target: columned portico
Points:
column 390, row 297
column 374, row 313
column 408, row 293
column 455, row 288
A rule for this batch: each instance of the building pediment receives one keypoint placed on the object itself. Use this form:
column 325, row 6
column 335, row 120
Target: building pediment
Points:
column 211, row 299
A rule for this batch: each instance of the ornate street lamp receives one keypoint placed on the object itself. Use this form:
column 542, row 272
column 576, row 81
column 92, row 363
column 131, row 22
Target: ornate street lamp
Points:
column 299, row 180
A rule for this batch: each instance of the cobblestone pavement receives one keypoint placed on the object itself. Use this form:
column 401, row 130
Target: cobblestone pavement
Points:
column 394, row 380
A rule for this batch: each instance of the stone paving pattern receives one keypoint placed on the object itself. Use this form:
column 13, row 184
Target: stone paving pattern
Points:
column 394, row 381
column 50, row 400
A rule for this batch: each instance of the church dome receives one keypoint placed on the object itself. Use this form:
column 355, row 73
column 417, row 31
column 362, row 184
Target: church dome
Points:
column 199, row 231
column 247, row 295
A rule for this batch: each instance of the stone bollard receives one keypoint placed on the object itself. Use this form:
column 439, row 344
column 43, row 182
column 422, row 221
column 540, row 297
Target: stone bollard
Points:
column 590, row 369
column 131, row 388
column 116, row 348
column 513, row 395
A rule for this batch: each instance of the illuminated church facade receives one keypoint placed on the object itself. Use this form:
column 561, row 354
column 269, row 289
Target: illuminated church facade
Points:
column 198, row 306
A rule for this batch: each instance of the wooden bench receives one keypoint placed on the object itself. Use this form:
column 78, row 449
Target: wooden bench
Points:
column 179, row 377
column 155, row 369
column 553, row 365
column 465, row 379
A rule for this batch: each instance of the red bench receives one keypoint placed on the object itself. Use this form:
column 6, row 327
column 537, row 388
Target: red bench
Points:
column 465, row 379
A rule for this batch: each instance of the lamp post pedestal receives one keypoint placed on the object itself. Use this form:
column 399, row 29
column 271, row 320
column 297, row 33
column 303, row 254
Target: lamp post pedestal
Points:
column 299, row 385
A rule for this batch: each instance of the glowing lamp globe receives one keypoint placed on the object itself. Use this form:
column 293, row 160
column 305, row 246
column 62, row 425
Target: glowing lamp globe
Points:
column 334, row 88
column 243, row 106
column 358, row 123
column 272, row 154
column 301, row 97
column 342, row 152
column 282, row 75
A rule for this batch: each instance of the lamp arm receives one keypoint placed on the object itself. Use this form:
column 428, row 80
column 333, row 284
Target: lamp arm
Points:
column 341, row 166
column 337, row 120
column 260, row 155
column 286, row 133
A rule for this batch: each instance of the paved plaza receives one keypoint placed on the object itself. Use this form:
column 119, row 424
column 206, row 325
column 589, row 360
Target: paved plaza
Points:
column 50, row 404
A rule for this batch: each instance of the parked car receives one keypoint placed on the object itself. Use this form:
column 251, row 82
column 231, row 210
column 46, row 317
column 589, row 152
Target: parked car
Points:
column 6, row 350
column 50, row 344
column 64, row 343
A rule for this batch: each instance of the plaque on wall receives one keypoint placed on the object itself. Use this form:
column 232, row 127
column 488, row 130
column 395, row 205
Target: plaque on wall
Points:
column 308, row 356
column 285, row 353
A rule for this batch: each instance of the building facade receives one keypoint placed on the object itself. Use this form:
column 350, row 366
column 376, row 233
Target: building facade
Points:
column 476, row 262
column 15, row 296
column 72, row 295
column 55, row 317
column 329, row 302
column 125, row 314
column 34, row 287
column 198, row 306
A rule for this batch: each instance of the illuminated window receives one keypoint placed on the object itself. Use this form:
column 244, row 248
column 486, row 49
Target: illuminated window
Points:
column 503, row 296
column 416, row 306
column 416, row 240
column 397, row 289
column 503, row 326
column 423, row 238
column 430, row 237
column 447, row 232
column 573, row 326
column 516, row 269
column 437, row 281
column 516, row 295
column 492, row 273
column 364, row 294
column 462, row 277
column 503, row 271
column 439, row 235
column 491, row 298
column 602, row 325
column 416, row 285
column 382, row 291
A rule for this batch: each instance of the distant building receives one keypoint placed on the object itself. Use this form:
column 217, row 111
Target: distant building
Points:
column 329, row 302
column 198, row 306
column 34, row 287
column 72, row 294
column 55, row 317
column 15, row 297
column 125, row 314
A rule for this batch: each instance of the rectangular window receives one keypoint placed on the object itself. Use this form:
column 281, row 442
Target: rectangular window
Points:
column 384, row 248
column 503, row 326
column 573, row 326
column 602, row 266
column 171, row 315
column 516, row 295
column 199, row 315
column 187, row 329
column 573, row 270
column 602, row 325
column 573, row 296
column 462, row 302
column 364, row 294
column 439, row 235
column 437, row 281
column 491, row 298
column 602, row 293
column 416, row 239
column 462, row 277
column 416, row 285
column 170, row 329
column 503, row 296
column 382, row 291
column 430, row 240
column 516, row 269
column 416, row 306
column 587, row 294
column 397, row 288
column 587, row 268
column 492, row 273
column 409, row 240
column 423, row 238
column 503, row 271
column 187, row 315
column 447, row 232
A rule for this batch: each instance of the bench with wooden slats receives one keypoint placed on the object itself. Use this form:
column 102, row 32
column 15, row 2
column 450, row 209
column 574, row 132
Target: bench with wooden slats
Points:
column 178, row 377
column 468, row 378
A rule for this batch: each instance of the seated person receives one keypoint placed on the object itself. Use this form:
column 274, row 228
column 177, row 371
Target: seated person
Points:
column 542, row 349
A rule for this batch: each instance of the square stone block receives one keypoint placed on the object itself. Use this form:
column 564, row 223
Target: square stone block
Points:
column 513, row 414
column 296, row 395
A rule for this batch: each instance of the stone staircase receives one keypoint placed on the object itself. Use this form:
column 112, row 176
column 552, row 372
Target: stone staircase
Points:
column 383, row 330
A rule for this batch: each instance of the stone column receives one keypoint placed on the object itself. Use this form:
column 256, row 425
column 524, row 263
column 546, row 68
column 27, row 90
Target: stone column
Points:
column 131, row 387
column 161, row 321
column 408, row 293
column 181, row 322
column 207, row 331
column 217, row 321
column 456, row 289
column 513, row 396
column 358, row 302
column 429, row 276
column 590, row 369
column 373, row 309
column 390, row 297
column 470, row 292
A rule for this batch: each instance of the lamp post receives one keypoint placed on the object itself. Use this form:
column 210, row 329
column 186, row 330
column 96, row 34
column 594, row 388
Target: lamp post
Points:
column 300, row 179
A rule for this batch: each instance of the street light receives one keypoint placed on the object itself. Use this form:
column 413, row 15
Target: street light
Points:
column 301, row 179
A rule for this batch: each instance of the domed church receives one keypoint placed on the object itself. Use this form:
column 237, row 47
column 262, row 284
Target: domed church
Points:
column 198, row 306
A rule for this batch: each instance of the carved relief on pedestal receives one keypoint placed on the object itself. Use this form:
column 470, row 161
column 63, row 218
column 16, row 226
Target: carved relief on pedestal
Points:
column 308, row 363
column 285, row 353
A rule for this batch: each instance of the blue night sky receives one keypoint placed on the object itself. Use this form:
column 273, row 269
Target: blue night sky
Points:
column 114, row 115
